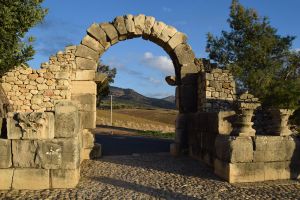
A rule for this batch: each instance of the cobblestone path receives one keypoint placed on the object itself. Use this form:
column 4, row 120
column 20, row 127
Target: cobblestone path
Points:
column 157, row 176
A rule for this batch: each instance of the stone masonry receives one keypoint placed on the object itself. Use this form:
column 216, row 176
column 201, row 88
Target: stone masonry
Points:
column 48, row 131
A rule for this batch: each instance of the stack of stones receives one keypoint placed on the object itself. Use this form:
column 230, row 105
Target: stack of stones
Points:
column 36, row 90
column 216, row 91
column 43, row 150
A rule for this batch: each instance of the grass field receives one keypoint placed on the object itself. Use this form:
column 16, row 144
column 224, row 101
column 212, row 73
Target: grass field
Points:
column 156, row 120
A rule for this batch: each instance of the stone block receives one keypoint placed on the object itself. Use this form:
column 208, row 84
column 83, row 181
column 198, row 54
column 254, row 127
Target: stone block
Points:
column 149, row 22
column 120, row 25
column 85, row 154
column 33, row 125
column 24, row 154
column 111, row 32
column 85, row 102
column 239, row 172
column 5, row 154
column 168, row 33
column 88, row 119
column 139, row 23
column 234, row 149
column 49, row 154
column 157, row 28
column 274, row 148
column 130, row 25
column 31, row 179
column 98, row 33
column 188, row 101
column 83, row 87
column 88, row 139
column 96, row 151
column 177, row 39
column 86, row 52
column 184, row 54
column 62, row 178
column 277, row 170
column 93, row 44
column 85, row 75
column 66, row 119
column 225, row 120
column 6, row 178
column 70, row 154
column 86, row 64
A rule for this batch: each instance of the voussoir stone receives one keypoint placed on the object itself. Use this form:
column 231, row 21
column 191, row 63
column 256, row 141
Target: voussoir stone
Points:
column 98, row 33
column 86, row 52
column 149, row 22
column 157, row 28
column 93, row 44
column 167, row 33
column 120, row 25
column 178, row 38
column 111, row 32
column 130, row 25
column 184, row 54
column 139, row 23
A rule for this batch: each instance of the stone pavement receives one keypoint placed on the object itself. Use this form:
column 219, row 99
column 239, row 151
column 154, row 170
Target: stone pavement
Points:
column 157, row 176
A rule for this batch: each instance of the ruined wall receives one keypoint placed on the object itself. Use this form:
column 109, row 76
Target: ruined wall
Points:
column 216, row 90
column 36, row 90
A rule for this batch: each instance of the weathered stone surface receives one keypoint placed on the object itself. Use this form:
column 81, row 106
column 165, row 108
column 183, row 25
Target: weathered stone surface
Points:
column 66, row 119
column 275, row 148
column 177, row 39
column 99, row 34
column 88, row 139
column 234, row 149
column 86, row 52
column 6, row 178
column 24, row 154
column 83, row 87
column 240, row 172
column 129, row 25
column 5, row 154
column 85, row 75
column 93, row 44
column 33, row 125
column 184, row 54
column 88, row 119
column 167, row 33
column 277, row 170
column 62, row 178
column 157, row 28
column 149, row 22
column 70, row 154
column 85, row 102
column 111, row 32
column 49, row 154
column 86, row 64
column 139, row 23
column 120, row 25
column 33, row 179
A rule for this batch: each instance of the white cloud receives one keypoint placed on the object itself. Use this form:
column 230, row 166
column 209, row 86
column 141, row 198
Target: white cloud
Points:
column 162, row 63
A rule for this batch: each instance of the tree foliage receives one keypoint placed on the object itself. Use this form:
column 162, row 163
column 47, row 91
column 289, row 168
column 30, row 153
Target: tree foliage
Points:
column 103, row 88
column 260, row 59
column 16, row 18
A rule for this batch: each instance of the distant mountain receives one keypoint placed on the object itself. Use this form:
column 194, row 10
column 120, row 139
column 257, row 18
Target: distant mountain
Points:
column 131, row 98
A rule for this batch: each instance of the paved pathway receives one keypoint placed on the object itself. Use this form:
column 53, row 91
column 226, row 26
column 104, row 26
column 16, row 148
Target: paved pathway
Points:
column 157, row 176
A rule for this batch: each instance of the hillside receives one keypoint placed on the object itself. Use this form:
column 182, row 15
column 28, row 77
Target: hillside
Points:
column 132, row 99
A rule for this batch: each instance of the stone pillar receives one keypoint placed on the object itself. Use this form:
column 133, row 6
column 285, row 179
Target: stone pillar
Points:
column 279, row 124
column 246, row 104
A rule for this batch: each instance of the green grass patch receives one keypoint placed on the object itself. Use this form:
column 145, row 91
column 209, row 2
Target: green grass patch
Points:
column 157, row 134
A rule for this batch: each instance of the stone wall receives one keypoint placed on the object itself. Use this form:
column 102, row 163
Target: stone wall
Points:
column 216, row 90
column 36, row 90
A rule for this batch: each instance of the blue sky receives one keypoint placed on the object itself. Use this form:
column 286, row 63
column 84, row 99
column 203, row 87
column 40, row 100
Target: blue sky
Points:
column 141, row 64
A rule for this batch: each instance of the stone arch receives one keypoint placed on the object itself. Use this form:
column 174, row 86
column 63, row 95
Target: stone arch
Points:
column 102, row 36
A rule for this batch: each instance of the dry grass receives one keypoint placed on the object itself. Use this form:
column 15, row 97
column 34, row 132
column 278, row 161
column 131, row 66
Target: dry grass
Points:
column 140, row 119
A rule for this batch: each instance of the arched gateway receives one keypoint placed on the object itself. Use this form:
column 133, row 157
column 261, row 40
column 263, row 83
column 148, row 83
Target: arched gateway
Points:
column 49, row 113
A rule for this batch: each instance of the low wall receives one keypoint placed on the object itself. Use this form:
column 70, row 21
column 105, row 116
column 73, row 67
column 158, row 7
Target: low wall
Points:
column 42, row 150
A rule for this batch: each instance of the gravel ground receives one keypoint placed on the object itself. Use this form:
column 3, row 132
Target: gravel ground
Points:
column 157, row 176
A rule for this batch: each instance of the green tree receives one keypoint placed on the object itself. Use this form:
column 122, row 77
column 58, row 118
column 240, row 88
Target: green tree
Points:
column 253, row 51
column 16, row 18
column 103, row 88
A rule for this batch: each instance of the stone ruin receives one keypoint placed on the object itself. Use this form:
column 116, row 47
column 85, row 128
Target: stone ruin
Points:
column 48, row 114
